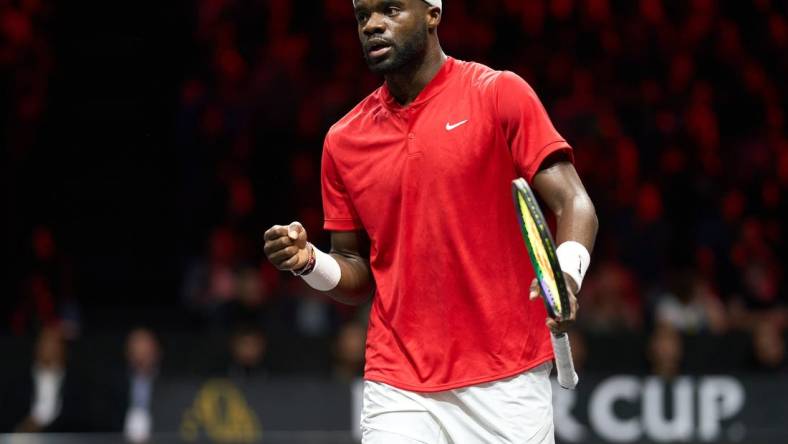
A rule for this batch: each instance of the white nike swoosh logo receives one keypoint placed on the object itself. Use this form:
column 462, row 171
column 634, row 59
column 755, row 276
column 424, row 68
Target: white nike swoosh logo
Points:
column 450, row 127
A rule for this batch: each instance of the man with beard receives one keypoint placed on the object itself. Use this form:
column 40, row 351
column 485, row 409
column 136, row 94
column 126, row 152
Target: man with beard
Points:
column 416, row 193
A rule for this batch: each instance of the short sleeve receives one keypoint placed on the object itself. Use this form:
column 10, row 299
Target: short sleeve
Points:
column 338, row 211
column 529, row 132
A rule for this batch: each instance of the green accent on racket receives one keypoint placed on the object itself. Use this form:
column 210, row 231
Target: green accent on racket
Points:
column 541, row 250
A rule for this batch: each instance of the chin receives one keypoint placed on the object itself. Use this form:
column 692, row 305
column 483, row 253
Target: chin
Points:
column 386, row 65
column 379, row 68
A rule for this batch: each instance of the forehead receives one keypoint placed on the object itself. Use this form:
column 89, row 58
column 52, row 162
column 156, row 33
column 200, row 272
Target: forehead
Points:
column 373, row 3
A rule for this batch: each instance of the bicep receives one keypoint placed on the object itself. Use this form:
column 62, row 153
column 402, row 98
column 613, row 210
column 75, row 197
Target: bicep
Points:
column 350, row 243
column 557, row 183
column 351, row 251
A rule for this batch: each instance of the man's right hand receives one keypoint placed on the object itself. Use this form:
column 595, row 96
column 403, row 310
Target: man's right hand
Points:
column 286, row 246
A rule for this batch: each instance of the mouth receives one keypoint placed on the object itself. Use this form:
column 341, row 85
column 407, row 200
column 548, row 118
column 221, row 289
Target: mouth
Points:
column 378, row 48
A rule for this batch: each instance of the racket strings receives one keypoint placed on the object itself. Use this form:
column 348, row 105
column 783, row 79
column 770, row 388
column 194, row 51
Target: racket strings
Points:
column 541, row 256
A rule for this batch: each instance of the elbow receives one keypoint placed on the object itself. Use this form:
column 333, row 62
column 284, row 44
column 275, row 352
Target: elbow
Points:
column 353, row 298
column 592, row 216
column 581, row 202
column 361, row 300
column 584, row 210
column 593, row 222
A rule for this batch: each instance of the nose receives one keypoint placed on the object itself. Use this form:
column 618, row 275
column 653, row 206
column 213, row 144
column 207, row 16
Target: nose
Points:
column 375, row 25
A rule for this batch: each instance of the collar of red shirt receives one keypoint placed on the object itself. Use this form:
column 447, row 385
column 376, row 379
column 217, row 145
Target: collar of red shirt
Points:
column 434, row 86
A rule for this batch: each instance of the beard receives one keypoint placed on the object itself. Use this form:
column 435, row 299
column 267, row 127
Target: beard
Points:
column 401, row 55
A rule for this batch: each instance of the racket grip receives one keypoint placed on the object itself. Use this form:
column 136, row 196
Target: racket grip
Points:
column 567, row 377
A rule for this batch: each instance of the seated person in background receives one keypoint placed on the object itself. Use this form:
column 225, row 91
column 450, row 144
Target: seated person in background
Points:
column 142, row 354
column 123, row 398
column 247, row 350
column 349, row 351
column 691, row 305
column 768, row 347
column 49, row 390
column 611, row 299
column 665, row 351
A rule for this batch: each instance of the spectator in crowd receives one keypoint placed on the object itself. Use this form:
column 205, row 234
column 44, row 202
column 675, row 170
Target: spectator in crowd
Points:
column 51, row 392
column 756, row 262
column 665, row 351
column 315, row 316
column 768, row 346
column 255, row 294
column 349, row 349
column 248, row 347
column 611, row 301
column 124, row 398
column 142, row 355
column 26, row 63
column 691, row 306
column 47, row 294
column 211, row 283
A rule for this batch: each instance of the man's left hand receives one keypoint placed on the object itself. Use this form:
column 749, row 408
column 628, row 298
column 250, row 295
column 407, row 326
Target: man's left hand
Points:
column 558, row 326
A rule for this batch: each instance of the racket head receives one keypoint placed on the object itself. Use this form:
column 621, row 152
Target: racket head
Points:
column 541, row 250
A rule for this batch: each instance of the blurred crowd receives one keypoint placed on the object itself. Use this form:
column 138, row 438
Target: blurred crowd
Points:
column 58, row 391
column 676, row 111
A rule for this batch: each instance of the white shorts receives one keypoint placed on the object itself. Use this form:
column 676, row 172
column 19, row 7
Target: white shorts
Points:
column 513, row 410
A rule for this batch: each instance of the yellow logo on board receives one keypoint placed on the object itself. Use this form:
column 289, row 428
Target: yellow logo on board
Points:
column 221, row 412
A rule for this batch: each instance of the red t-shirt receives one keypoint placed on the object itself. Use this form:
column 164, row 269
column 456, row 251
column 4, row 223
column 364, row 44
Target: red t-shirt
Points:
column 430, row 184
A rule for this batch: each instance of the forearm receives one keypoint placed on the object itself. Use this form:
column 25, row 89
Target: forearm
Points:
column 565, row 195
column 355, row 283
column 577, row 221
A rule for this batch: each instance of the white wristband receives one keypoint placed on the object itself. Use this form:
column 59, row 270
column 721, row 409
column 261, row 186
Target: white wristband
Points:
column 574, row 259
column 326, row 272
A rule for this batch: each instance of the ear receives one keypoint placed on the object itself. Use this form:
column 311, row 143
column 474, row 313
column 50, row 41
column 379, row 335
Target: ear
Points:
column 433, row 17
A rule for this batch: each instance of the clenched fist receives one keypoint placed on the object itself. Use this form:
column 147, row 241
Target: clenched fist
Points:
column 286, row 246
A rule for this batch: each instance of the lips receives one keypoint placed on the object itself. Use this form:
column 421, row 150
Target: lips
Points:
column 377, row 48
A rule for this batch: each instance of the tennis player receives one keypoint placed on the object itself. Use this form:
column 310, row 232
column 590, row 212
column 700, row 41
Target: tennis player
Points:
column 416, row 194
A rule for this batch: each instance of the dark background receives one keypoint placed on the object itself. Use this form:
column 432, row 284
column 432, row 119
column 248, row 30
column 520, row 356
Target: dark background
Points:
column 99, row 164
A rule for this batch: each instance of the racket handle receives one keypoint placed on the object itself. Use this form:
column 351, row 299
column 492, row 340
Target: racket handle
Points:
column 567, row 377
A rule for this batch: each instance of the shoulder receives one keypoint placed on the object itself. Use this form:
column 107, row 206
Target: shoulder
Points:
column 357, row 119
column 481, row 77
column 505, row 91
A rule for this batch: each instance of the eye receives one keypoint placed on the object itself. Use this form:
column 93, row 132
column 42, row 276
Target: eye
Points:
column 391, row 11
column 362, row 16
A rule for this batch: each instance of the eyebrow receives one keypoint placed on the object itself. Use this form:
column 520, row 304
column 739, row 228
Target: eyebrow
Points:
column 382, row 4
column 392, row 3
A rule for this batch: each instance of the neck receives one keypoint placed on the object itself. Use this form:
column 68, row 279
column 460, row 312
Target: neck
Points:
column 406, row 84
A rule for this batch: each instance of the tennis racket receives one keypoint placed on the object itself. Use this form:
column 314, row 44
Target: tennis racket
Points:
column 541, row 249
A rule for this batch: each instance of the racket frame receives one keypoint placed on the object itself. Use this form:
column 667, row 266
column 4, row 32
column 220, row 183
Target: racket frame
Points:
column 565, row 368
column 521, row 188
